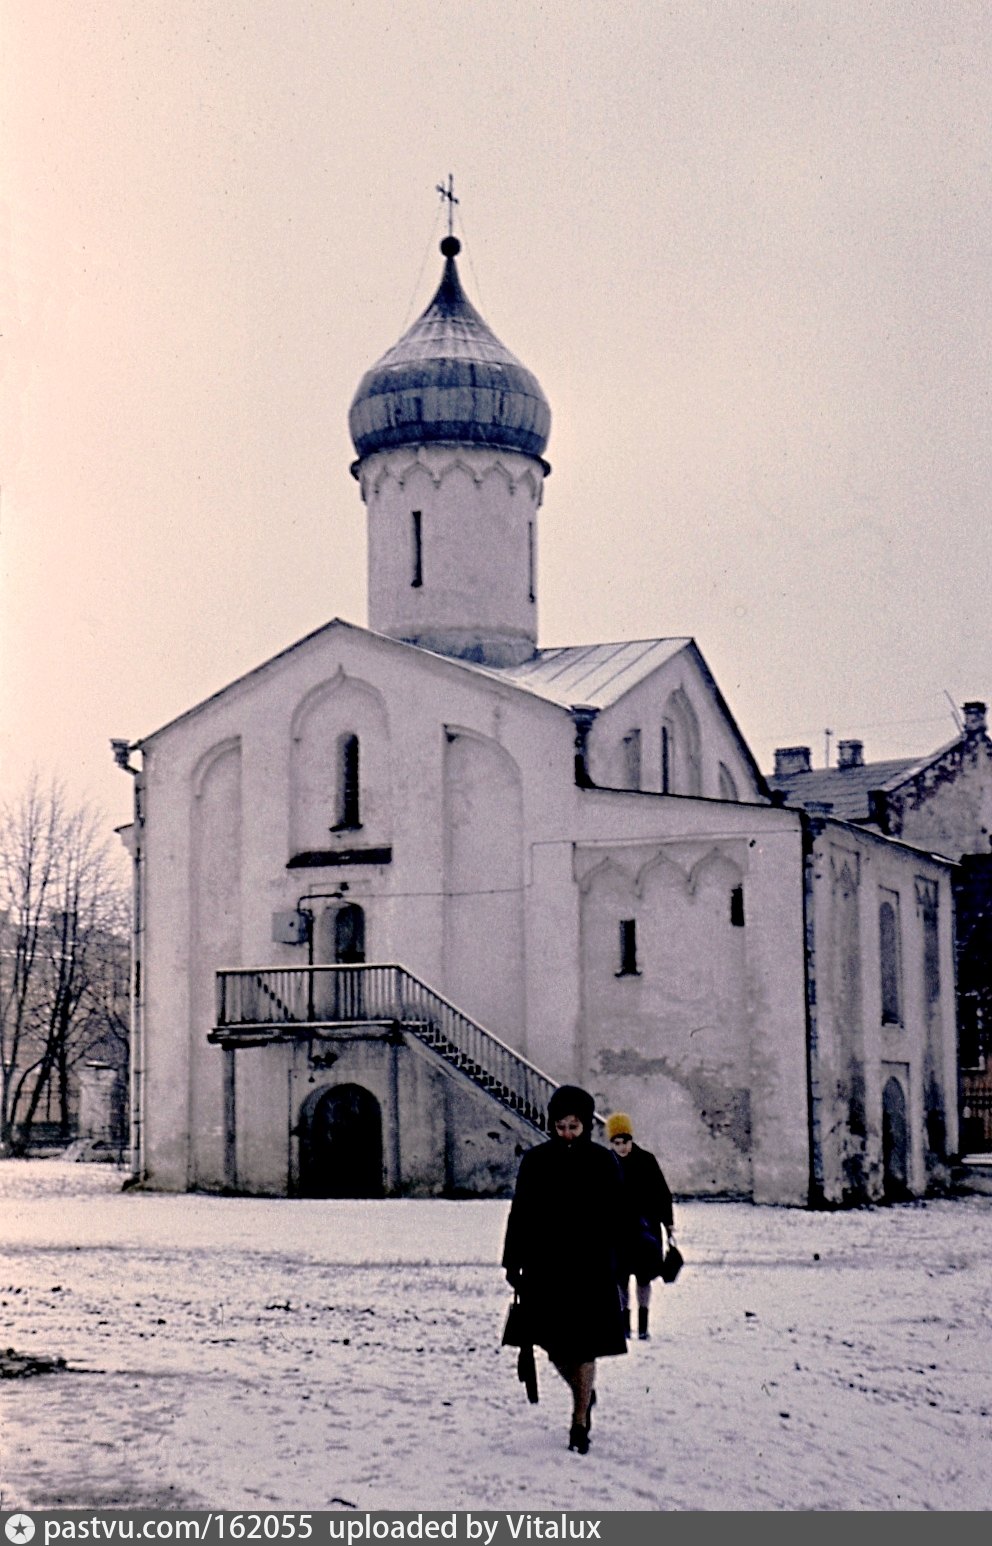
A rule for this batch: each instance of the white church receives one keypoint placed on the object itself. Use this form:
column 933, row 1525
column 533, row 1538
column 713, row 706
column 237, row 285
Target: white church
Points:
column 397, row 882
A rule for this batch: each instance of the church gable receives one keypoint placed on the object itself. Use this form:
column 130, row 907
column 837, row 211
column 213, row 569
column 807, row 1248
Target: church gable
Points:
column 348, row 741
column 673, row 733
column 341, row 660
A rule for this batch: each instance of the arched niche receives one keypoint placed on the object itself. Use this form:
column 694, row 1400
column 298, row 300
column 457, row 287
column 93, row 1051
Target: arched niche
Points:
column 216, row 844
column 340, row 766
column 484, row 951
column 727, row 784
column 681, row 746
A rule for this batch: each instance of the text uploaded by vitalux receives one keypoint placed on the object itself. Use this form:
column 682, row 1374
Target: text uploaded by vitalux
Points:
column 468, row 1527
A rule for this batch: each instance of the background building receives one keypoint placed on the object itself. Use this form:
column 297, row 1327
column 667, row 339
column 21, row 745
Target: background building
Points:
column 942, row 802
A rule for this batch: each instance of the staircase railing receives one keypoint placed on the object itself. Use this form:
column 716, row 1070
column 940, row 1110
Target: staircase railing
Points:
column 255, row 999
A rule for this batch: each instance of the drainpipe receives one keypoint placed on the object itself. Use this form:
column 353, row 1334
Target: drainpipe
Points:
column 583, row 718
column 810, row 830
column 121, row 750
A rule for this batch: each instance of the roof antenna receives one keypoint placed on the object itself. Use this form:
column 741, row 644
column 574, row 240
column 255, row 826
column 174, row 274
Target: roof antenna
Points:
column 827, row 734
column 954, row 711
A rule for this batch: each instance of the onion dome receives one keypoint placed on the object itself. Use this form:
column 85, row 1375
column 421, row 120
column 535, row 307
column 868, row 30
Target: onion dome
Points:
column 450, row 380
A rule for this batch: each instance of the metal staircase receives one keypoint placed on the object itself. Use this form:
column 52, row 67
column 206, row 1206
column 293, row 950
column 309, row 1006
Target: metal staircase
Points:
column 256, row 1006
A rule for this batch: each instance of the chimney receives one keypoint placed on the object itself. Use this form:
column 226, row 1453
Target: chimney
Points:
column 850, row 754
column 975, row 723
column 791, row 759
column 878, row 809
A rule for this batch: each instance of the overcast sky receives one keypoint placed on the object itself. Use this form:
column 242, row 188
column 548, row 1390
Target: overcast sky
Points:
column 745, row 248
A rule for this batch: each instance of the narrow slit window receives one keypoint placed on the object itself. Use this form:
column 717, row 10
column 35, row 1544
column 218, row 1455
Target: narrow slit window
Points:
column 888, row 939
column 628, row 948
column 530, row 560
column 666, row 760
column 417, row 526
column 349, row 817
column 632, row 759
column 737, row 907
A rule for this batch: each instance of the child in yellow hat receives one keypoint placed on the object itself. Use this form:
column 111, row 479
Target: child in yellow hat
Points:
column 651, row 1206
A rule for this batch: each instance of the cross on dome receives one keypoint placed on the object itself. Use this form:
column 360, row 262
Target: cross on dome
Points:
column 449, row 194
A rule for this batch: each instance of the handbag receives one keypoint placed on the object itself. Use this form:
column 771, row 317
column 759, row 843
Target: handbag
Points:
column 516, row 1333
column 527, row 1372
column 672, row 1265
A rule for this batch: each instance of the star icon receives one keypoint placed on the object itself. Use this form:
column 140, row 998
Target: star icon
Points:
column 19, row 1528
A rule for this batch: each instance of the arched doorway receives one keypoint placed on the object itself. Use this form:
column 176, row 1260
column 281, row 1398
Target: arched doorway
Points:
column 340, row 942
column 895, row 1142
column 341, row 1143
column 349, row 934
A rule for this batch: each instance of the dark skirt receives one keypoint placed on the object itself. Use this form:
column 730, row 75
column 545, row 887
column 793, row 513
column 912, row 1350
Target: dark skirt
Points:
column 575, row 1318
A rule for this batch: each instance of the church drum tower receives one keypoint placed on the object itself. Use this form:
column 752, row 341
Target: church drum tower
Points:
column 450, row 430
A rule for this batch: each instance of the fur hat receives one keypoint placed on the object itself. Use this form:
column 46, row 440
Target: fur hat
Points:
column 570, row 1101
column 619, row 1123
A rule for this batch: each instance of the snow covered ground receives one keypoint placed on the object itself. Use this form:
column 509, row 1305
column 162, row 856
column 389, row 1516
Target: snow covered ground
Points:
column 242, row 1353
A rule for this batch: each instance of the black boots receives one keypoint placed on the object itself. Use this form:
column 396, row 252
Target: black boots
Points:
column 578, row 1438
column 642, row 1323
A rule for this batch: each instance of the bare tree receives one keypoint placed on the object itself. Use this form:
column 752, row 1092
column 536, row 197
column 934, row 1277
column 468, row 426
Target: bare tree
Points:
column 62, row 955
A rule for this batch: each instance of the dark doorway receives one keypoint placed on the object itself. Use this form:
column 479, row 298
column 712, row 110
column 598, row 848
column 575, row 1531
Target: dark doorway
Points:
column 895, row 1142
column 341, row 941
column 341, row 1144
column 349, row 950
column 349, row 935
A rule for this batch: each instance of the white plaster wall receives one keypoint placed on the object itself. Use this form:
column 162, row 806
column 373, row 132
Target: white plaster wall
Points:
column 479, row 526
column 484, row 947
column 705, row 1048
column 165, row 969
column 878, row 867
column 567, row 1042
column 261, row 1084
column 948, row 807
column 670, row 1045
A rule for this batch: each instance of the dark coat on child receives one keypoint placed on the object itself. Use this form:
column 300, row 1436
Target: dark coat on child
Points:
column 563, row 1240
column 649, row 1203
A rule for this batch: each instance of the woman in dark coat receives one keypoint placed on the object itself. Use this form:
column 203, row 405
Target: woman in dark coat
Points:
column 649, row 1202
column 562, row 1250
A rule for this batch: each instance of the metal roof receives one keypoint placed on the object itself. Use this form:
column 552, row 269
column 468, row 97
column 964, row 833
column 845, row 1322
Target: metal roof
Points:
column 844, row 790
column 593, row 674
column 450, row 380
